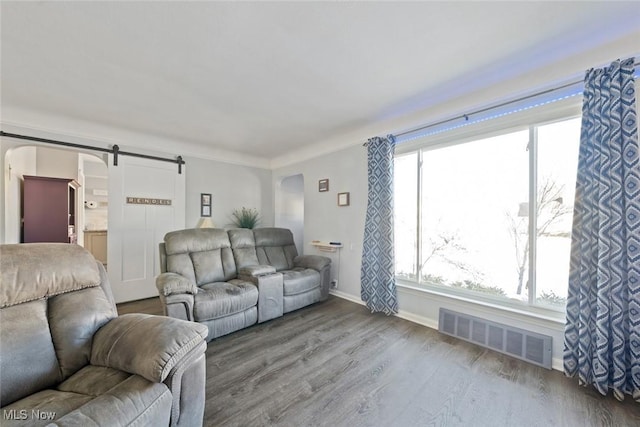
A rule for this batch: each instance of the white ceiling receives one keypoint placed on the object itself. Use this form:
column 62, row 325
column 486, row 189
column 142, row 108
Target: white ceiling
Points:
column 266, row 78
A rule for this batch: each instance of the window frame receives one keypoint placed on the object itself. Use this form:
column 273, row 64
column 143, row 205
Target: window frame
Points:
column 529, row 120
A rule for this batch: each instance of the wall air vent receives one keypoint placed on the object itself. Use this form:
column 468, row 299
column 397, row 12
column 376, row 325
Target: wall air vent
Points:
column 519, row 343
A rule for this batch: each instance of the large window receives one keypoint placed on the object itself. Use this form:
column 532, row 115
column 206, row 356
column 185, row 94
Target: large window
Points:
column 490, row 217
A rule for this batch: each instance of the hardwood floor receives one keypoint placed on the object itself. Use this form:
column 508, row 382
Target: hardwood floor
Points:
column 335, row 364
column 148, row 306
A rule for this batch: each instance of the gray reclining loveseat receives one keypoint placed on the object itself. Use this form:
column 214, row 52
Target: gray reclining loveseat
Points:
column 232, row 279
column 68, row 359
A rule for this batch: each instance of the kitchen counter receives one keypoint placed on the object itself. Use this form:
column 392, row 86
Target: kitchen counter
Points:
column 95, row 241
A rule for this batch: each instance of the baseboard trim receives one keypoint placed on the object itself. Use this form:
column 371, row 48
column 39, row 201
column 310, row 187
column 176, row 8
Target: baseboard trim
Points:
column 346, row 296
column 420, row 320
column 401, row 314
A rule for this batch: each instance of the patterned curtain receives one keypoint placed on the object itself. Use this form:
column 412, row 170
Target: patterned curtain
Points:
column 602, row 335
column 377, row 274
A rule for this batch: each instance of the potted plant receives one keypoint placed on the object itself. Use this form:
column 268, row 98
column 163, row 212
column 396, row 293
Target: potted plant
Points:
column 245, row 218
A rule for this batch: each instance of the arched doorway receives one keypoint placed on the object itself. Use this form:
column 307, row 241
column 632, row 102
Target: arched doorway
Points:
column 290, row 207
column 54, row 163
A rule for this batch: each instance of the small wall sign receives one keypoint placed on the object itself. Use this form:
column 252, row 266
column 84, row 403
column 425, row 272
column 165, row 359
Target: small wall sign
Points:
column 148, row 201
column 323, row 185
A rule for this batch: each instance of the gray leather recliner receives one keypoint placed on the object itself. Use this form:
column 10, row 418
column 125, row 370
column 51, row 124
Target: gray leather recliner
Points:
column 66, row 358
column 200, row 282
column 306, row 279
column 232, row 279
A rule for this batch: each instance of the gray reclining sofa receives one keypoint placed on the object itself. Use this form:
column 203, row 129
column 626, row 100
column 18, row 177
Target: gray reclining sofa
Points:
column 67, row 359
column 232, row 279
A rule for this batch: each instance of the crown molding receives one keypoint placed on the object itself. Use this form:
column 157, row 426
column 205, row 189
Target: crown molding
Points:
column 72, row 130
column 318, row 149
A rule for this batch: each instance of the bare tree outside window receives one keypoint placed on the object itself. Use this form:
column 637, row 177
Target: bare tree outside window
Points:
column 550, row 210
column 462, row 214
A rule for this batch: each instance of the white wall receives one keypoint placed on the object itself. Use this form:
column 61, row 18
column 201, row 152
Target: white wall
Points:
column 20, row 161
column 289, row 203
column 57, row 163
column 231, row 187
column 326, row 221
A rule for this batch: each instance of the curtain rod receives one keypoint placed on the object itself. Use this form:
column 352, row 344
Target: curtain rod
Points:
column 115, row 150
column 482, row 110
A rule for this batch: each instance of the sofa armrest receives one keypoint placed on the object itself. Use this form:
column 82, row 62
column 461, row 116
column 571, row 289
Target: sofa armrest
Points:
column 315, row 262
column 147, row 345
column 256, row 270
column 322, row 265
column 178, row 306
column 172, row 283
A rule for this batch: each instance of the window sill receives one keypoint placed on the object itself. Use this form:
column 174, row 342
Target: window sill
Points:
column 555, row 318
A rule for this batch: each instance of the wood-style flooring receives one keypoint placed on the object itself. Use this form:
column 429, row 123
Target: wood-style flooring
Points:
column 335, row 364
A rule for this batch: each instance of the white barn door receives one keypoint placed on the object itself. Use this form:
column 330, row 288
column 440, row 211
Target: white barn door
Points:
column 146, row 200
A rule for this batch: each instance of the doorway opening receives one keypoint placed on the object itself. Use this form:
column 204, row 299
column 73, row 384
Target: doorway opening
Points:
column 89, row 206
column 290, row 207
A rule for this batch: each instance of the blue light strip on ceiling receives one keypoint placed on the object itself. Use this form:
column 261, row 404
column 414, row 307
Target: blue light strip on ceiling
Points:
column 403, row 139
column 529, row 102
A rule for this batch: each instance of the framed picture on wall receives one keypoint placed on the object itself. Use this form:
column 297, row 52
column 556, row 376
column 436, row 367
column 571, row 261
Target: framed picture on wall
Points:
column 343, row 199
column 205, row 204
column 323, row 185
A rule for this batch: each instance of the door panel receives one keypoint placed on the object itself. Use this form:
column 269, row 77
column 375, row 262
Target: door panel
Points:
column 135, row 230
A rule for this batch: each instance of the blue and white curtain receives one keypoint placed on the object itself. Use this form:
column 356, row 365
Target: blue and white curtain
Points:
column 602, row 335
column 378, row 283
